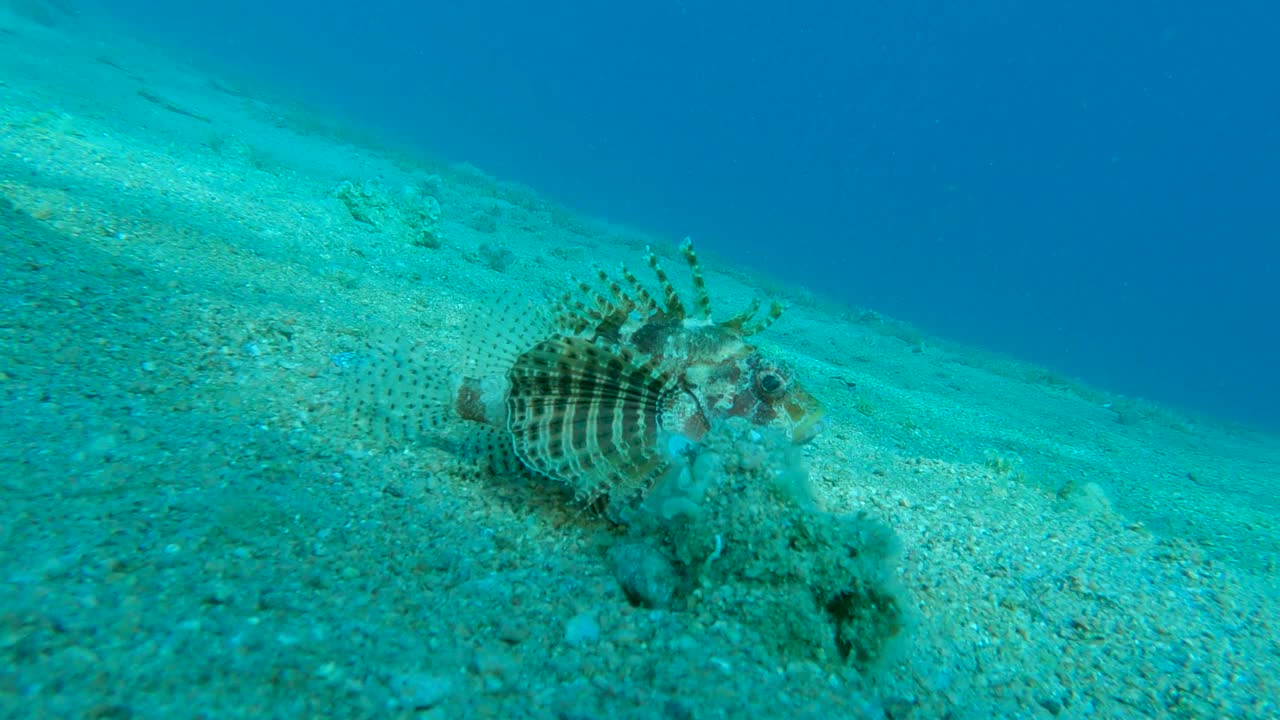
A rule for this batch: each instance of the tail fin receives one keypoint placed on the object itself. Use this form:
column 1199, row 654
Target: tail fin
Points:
column 401, row 391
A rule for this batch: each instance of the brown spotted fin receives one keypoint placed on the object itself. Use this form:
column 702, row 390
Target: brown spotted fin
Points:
column 399, row 391
column 402, row 393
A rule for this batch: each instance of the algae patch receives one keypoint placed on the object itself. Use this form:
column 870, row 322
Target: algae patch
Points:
column 414, row 214
column 739, row 523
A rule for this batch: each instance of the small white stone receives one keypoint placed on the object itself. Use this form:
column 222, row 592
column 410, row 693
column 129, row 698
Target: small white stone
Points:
column 582, row 629
column 420, row 691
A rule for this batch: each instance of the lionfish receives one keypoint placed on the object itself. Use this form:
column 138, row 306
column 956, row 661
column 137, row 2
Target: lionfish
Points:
column 605, row 390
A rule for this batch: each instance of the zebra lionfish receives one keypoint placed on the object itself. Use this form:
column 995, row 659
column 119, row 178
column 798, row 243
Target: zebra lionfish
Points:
column 604, row 390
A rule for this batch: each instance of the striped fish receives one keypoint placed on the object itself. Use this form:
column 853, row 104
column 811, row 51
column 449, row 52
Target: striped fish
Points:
column 605, row 390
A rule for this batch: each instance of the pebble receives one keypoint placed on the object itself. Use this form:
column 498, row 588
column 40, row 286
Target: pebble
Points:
column 646, row 576
column 493, row 661
column 513, row 632
column 101, row 445
column 420, row 691
column 582, row 629
column 345, row 360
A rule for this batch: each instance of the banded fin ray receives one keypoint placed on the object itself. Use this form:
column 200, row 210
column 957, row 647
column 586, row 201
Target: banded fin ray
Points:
column 589, row 415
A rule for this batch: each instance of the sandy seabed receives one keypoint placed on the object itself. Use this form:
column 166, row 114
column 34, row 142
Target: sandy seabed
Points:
column 192, row 527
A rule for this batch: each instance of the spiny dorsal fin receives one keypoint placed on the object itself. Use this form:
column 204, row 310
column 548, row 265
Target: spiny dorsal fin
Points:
column 702, row 301
column 736, row 323
column 572, row 313
column 622, row 303
column 760, row 325
column 645, row 303
column 674, row 307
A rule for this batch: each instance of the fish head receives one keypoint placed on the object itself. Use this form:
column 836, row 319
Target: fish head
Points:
column 730, row 378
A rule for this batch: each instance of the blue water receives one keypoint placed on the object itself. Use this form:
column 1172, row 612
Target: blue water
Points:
column 1091, row 185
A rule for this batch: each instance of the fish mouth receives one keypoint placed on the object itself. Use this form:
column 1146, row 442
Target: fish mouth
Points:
column 807, row 416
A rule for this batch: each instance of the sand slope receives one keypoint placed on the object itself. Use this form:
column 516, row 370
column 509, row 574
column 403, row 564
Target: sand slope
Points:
column 191, row 526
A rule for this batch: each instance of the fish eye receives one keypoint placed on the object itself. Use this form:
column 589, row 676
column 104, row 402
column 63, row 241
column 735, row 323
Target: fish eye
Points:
column 771, row 383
